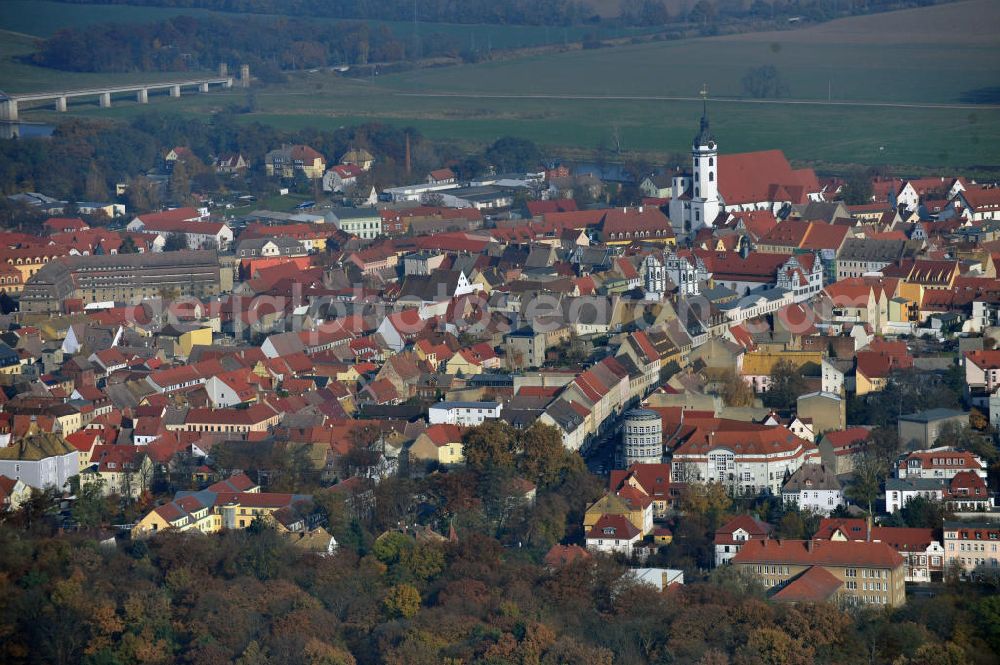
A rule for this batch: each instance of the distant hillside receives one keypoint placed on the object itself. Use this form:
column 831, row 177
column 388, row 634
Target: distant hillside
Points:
column 512, row 12
column 542, row 12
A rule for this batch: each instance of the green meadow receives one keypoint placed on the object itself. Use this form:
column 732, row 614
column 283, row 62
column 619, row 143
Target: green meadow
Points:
column 899, row 84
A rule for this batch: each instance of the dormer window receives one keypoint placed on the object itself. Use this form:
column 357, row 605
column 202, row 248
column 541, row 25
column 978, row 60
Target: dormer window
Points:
column 609, row 531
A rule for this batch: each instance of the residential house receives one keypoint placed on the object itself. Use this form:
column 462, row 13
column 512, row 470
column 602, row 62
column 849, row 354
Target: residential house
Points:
column 813, row 488
column 613, row 534
column 466, row 414
column 123, row 470
column 365, row 223
column 735, row 533
column 652, row 480
column 40, row 460
column 287, row 160
column 358, row 157
column 441, row 444
column 341, row 178
column 941, row 462
column 13, row 494
column 972, row 547
column 975, row 204
column 841, row 449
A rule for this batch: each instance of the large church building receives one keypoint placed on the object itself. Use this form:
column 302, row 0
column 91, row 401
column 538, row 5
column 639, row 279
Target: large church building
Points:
column 731, row 183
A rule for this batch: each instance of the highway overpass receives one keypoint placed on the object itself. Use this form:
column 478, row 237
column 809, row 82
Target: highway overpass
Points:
column 9, row 103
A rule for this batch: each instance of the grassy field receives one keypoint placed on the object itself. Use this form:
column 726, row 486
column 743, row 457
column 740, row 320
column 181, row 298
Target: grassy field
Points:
column 285, row 203
column 860, row 58
column 909, row 57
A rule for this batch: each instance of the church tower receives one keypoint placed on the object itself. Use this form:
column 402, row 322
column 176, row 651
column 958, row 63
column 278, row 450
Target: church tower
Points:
column 704, row 180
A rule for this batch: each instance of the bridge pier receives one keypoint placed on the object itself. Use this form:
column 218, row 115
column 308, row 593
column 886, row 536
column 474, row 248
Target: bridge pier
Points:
column 142, row 96
column 8, row 110
column 105, row 100
column 229, row 82
column 175, row 91
column 203, row 87
column 61, row 104
column 244, row 76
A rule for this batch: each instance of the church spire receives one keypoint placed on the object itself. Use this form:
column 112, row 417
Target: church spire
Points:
column 705, row 135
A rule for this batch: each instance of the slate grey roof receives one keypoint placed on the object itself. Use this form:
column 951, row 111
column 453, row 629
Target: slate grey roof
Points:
column 866, row 249
column 812, row 477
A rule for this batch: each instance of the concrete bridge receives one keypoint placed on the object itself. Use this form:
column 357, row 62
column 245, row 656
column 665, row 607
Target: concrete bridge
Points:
column 9, row 103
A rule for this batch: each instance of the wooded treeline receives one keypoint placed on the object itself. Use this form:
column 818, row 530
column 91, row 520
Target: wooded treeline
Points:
column 84, row 155
column 269, row 45
column 541, row 12
column 385, row 597
column 514, row 12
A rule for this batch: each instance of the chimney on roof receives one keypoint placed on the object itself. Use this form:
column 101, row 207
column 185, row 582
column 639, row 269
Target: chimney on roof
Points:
column 809, row 546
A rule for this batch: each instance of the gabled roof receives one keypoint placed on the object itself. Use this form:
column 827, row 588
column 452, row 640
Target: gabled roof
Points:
column 620, row 528
column 754, row 528
column 819, row 553
column 844, row 438
column 815, row 585
column 766, row 175
column 561, row 555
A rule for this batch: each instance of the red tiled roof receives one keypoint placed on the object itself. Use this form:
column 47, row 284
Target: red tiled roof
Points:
column 942, row 459
column 753, row 177
column 623, row 529
column 560, row 555
column 304, row 153
column 821, row 552
column 171, row 216
column 248, row 416
column 815, row 585
column 844, row 438
column 444, row 434
column 239, row 483
column 632, row 220
column 987, row 359
column 901, row 539
column 536, row 208
column 442, row 174
column 754, row 527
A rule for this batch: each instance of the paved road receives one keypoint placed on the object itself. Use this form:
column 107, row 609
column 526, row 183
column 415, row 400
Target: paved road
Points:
column 656, row 98
column 600, row 456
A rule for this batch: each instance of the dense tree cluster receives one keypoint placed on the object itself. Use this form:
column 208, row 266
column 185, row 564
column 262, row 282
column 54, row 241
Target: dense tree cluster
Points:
column 84, row 159
column 269, row 45
column 250, row 597
column 481, row 598
column 65, row 164
column 543, row 12
column 908, row 391
column 505, row 12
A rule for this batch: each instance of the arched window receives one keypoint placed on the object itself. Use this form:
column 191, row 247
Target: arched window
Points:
column 711, row 161
column 711, row 176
